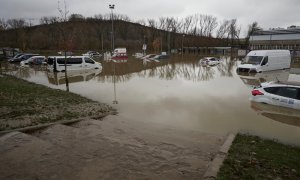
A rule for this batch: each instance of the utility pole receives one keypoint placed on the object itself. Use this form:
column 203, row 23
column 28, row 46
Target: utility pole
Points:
column 112, row 7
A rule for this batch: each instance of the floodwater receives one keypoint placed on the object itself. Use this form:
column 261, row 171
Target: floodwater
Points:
column 182, row 94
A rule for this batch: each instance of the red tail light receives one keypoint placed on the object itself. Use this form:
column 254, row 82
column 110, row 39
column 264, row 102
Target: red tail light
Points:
column 256, row 92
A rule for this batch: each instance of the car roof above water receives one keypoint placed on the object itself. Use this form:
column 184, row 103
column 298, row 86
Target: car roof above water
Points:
column 268, row 52
column 281, row 83
column 66, row 57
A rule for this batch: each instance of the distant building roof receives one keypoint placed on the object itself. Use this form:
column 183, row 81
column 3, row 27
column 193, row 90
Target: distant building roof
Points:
column 275, row 37
column 274, row 31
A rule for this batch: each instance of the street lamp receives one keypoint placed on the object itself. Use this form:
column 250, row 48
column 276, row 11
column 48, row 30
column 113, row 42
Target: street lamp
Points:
column 114, row 79
column 112, row 7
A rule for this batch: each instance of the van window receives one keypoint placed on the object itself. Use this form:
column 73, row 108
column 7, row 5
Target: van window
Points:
column 253, row 60
column 265, row 61
column 69, row 60
column 88, row 60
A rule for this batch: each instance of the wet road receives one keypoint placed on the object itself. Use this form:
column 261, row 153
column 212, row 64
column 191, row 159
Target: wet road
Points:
column 183, row 95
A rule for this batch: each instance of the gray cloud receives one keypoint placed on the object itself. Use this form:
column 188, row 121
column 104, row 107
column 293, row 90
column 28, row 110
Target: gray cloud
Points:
column 268, row 13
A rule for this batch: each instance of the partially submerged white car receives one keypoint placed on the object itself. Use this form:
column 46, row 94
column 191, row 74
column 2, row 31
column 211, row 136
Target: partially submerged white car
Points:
column 209, row 61
column 286, row 94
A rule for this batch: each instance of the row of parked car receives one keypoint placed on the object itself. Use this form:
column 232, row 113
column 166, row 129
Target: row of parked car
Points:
column 36, row 59
column 28, row 58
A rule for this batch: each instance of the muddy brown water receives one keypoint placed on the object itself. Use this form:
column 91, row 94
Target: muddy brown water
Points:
column 182, row 94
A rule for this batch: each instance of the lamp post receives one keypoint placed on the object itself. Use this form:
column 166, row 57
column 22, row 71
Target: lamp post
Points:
column 114, row 79
column 112, row 7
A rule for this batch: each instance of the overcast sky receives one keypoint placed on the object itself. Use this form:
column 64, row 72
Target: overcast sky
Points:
column 268, row 13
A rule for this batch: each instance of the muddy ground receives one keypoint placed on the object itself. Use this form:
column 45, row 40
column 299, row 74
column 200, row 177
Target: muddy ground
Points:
column 113, row 148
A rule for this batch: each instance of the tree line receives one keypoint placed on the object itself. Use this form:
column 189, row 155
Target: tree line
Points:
column 198, row 30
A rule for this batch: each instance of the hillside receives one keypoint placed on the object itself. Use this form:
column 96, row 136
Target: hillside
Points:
column 95, row 34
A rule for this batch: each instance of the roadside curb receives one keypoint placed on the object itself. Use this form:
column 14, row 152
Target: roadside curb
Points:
column 215, row 165
column 42, row 126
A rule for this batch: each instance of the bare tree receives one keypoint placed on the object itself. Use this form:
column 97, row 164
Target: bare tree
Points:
column 152, row 23
column 3, row 24
column 186, row 24
column 98, row 17
column 141, row 22
column 16, row 23
column 45, row 20
column 210, row 24
column 76, row 17
column 223, row 29
column 251, row 29
column 233, row 31
column 66, row 35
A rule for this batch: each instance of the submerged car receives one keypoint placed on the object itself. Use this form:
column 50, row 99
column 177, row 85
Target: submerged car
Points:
column 34, row 60
column 22, row 58
column 285, row 94
column 160, row 57
column 92, row 54
column 149, row 56
column 209, row 61
column 15, row 57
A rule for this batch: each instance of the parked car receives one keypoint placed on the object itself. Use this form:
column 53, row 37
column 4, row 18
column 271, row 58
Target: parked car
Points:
column 209, row 61
column 34, row 60
column 149, row 56
column 160, row 57
column 67, row 53
column 22, row 58
column 16, row 56
column 92, row 54
column 286, row 94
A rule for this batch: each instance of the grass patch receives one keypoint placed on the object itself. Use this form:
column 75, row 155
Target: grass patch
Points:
column 22, row 101
column 251, row 157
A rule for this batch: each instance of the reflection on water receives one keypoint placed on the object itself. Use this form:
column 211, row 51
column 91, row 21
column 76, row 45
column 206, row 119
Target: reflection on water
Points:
column 187, row 69
column 179, row 93
column 255, row 79
column 280, row 114
column 74, row 76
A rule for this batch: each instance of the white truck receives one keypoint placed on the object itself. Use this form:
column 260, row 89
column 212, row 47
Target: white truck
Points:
column 265, row 60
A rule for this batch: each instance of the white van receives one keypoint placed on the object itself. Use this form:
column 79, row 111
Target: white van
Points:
column 57, row 63
column 265, row 60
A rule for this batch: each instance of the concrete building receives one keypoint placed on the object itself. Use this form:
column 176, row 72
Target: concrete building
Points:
column 278, row 38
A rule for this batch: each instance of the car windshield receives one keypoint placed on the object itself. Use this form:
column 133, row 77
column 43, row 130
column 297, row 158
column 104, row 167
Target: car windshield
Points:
column 253, row 60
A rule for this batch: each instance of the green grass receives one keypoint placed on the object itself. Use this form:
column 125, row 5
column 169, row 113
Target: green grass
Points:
column 250, row 157
column 21, row 100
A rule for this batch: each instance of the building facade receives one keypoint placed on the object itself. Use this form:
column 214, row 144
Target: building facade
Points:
column 276, row 39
